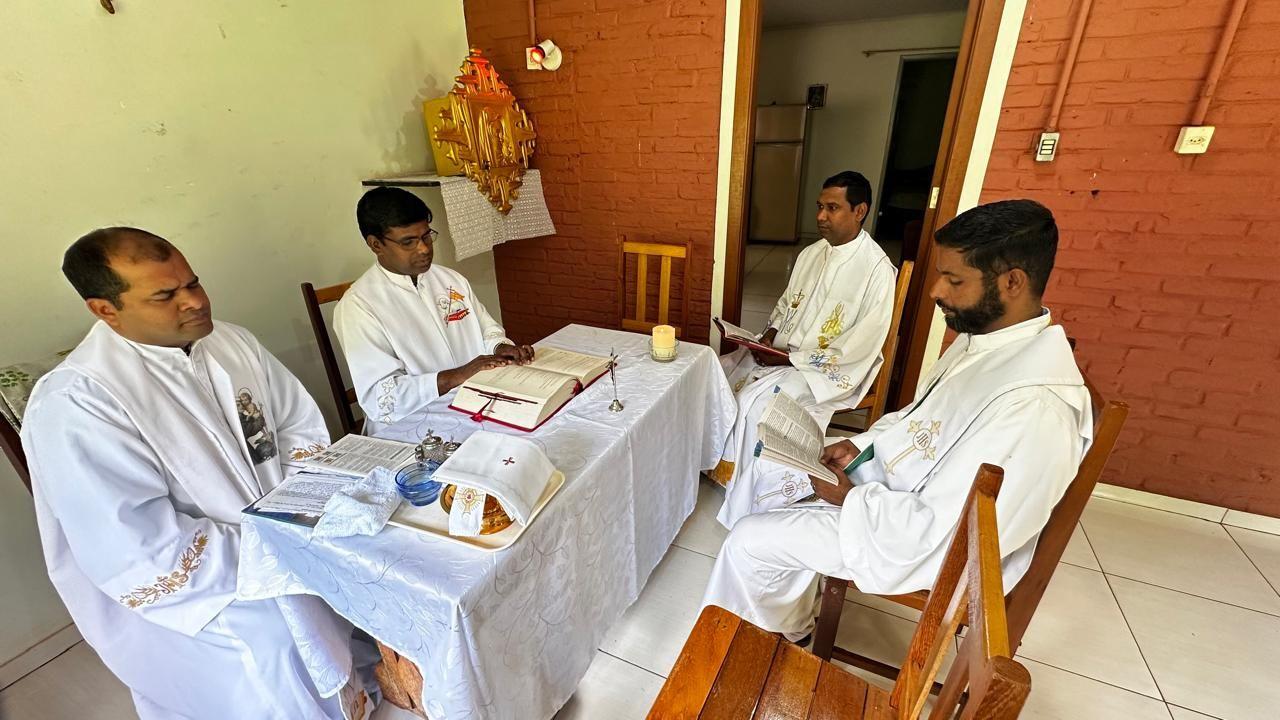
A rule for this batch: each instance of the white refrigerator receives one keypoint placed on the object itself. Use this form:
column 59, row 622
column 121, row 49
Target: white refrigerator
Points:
column 777, row 173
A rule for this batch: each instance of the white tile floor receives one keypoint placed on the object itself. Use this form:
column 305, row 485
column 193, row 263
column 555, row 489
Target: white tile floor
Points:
column 1127, row 629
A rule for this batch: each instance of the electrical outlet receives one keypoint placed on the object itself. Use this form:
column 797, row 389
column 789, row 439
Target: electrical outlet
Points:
column 1193, row 139
column 1046, row 147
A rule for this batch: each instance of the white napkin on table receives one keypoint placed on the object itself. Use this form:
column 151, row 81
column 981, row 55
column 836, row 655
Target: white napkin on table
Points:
column 362, row 508
column 514, row 470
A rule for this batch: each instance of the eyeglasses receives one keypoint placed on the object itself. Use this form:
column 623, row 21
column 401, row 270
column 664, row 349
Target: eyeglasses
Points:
column 409, row 243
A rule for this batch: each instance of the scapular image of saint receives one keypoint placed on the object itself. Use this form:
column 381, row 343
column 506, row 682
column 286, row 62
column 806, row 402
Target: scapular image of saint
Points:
column 261, row 441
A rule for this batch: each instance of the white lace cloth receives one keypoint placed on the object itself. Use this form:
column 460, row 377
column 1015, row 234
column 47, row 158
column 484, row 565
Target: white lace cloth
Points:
column 476, row 225
column 508, row 635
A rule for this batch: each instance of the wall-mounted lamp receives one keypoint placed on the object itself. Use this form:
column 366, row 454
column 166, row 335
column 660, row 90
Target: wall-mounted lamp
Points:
column 543, row 56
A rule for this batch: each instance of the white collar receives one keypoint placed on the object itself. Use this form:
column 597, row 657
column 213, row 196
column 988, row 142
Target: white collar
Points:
column 160, row 354
column 1022, row 331
column 851, row 247
column 403, row 281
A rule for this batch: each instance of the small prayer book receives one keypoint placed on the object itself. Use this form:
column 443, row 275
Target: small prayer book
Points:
column 525, row 396
column 743, row 337
column 790, row 436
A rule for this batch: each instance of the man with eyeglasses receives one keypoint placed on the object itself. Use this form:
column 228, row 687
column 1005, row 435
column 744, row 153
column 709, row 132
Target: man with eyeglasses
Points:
column 411, row 330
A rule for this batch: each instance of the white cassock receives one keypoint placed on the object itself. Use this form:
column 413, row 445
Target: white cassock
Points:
column 833, row 319
column 142, row 458
column 397, row 337
column 1014, row 398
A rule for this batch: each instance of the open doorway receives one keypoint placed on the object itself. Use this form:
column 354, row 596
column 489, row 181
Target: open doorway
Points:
column 881, row 70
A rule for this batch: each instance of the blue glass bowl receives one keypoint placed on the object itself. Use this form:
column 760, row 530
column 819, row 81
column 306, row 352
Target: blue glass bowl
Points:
column 416, row 485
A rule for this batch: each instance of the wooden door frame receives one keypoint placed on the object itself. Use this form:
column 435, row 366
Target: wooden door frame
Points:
column 973, row 65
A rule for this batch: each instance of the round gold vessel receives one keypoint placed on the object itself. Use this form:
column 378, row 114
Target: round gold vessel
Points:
column 495, row 518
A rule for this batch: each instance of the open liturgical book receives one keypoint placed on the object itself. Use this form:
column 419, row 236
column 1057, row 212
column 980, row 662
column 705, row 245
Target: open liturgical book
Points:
column 790, row 436
column 524, row 396
column 745, row 338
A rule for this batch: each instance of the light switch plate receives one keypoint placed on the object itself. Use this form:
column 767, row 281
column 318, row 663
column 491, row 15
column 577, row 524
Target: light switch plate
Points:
column 1046, row 146
column 1193, row 139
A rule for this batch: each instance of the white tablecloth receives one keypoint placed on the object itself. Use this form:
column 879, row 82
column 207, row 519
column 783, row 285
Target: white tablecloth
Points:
column 509, row 635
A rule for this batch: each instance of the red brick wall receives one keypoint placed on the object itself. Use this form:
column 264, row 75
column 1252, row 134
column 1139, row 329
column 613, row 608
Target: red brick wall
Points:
column 1169, row 268
column 628, row 132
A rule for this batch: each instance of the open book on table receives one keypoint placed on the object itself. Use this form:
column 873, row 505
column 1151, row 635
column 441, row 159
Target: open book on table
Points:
column 301, row 498
column 790, row 436
column 525, row 396
column 745, row 338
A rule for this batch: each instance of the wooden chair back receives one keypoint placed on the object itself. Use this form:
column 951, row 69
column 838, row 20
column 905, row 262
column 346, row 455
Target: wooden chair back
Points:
column 731, row 668
column 343, row 396
column 874, row 401
column 665, row 252
column 11, row 442
column 969, row 590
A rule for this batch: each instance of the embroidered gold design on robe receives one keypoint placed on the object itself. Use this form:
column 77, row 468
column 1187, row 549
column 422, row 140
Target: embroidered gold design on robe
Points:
column 169, row 584
column 831, row 327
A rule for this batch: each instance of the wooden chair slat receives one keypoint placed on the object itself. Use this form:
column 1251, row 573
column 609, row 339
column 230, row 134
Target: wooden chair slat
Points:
column 691, row 680
column 838, row 692
column 664, row 290
column 788, row 693
column 742, row 675
column 653, row 248
column 878, row 705
column 333, row 293
column 642, row 284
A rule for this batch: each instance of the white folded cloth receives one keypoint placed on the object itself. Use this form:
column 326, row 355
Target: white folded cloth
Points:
column 362, row 508
column 514, row 470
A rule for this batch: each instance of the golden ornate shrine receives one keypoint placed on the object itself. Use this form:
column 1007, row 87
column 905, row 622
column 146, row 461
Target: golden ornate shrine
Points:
column 484, row 130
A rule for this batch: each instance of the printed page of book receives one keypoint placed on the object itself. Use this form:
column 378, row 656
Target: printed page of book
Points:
column 581, row 366
column 357, row 456
column 792, row 437
column 521, row 381
column 729, row 330
column 302, row 494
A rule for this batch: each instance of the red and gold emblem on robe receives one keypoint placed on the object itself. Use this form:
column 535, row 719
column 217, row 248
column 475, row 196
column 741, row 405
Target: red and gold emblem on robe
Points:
column 454, row 307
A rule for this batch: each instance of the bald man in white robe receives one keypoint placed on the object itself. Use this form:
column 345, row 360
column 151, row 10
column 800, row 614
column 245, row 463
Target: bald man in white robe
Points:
column 145, row 444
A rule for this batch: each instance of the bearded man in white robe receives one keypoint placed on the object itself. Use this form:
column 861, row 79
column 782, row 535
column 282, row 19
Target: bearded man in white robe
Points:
column 144, row 446
column 1007, row 392
column 412, row 331
column 832, row 322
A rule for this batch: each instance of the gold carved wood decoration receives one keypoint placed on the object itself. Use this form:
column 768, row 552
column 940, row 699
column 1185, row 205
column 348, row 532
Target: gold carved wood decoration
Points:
column 484, row 130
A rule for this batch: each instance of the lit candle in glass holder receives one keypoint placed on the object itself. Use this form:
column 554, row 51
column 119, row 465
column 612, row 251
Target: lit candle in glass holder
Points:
column 663, row 345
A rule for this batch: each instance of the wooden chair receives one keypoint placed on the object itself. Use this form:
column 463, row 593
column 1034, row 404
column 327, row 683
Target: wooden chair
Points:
column 873, row 403
column 643, row 251
column 1022, row 602
column 343, row 396
column 730, row 668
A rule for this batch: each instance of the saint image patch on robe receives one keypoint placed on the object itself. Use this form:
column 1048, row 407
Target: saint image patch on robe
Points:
column 259, row 438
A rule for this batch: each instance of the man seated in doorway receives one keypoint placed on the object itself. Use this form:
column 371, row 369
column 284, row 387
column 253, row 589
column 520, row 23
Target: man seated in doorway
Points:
column 412, row 331
column 144, row 446
column 1006, row 392
column 832, row 321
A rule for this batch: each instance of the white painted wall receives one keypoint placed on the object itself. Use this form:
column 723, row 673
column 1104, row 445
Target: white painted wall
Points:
column 239, row 130
column 852, row 131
